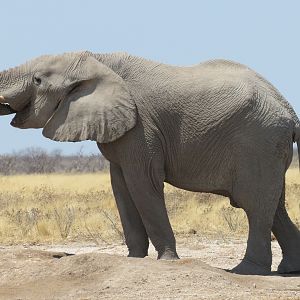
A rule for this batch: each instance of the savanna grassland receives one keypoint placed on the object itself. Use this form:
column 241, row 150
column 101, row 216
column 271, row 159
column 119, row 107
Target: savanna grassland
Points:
column 80, row 207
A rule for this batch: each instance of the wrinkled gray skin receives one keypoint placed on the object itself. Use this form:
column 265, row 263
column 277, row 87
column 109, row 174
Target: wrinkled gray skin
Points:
column 216, row 127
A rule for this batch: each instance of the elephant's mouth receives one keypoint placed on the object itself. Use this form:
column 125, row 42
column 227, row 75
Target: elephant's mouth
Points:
column 21, row 117
column 15, row 104
column 6, row 109
column 22, row 111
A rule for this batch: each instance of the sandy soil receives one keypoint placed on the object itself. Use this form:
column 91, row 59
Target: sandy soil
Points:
column 104, row 272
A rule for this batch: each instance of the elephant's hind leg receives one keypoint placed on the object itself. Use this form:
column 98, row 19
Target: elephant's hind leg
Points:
column 288, row 237
column 258, row 256
column 258, row 194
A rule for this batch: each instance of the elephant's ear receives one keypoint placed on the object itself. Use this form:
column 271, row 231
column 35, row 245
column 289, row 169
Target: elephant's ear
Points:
column 98, row 108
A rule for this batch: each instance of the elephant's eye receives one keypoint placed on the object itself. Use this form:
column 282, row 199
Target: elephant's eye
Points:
column 37, row 80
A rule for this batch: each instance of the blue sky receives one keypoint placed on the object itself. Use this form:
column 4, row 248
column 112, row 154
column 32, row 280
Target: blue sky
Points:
column 261, row 34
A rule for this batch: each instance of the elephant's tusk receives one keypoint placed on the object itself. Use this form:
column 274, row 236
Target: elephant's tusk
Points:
column 2, row 100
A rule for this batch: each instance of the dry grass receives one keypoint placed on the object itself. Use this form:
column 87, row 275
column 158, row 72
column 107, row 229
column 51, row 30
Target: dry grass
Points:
column 53, row 208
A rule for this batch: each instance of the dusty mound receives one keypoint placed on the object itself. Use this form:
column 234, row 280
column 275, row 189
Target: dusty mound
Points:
column 36, row 274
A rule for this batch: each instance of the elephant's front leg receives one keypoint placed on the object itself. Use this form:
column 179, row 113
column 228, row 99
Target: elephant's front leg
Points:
column 145, row 184
column 135, row 234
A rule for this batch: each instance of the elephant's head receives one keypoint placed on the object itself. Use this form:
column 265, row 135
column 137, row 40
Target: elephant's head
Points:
column 73, row 96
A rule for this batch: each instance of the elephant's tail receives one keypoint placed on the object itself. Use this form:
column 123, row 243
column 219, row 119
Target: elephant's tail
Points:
column 297, row 140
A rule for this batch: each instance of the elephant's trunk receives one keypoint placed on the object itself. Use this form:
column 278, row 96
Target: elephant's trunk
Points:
column 15, row 88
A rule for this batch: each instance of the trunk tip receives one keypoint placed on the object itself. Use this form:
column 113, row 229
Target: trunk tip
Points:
column 2, row 100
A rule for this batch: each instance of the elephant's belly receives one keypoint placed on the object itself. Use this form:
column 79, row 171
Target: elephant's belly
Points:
column 200, row 185
column 197, row 175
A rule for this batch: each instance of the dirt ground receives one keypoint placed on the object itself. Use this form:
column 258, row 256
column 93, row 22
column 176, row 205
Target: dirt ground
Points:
column 104, row 272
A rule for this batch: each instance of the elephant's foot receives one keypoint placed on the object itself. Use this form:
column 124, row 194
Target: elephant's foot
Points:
column 250, row 268
column 138, row 253
column 289, row 264
column 168, row 255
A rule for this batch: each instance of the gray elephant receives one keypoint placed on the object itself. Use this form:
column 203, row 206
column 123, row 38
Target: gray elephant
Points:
column 217, row 127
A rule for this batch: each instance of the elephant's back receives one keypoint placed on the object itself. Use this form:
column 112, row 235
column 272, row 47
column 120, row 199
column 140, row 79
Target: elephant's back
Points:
column 237, row 70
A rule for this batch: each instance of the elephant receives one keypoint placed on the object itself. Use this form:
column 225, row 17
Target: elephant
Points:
column 215, row 127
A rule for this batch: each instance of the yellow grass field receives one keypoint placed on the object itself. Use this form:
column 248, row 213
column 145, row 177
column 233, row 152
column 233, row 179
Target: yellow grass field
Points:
column 80, row 207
